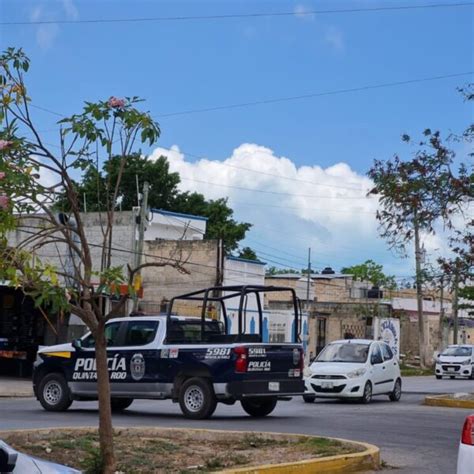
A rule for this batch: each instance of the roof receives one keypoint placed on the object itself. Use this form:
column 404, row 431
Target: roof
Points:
column 245, row 260
column 179, row 214
column 314, row 276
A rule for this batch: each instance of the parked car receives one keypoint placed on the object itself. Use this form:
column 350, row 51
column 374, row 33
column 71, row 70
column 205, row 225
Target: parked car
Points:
column 12, row 461
column 354, row 368
column 466, row 448
column 456, row 361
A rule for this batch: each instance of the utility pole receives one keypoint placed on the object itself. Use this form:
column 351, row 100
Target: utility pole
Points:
column 141, row 233
column 455, row 305
column 441, row 313
column 419, row 295
column 308, row 280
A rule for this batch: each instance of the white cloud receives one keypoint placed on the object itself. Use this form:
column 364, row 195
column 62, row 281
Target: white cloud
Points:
column 46, row 34
column 302, row 12
column 334, row 38
column 323, row 208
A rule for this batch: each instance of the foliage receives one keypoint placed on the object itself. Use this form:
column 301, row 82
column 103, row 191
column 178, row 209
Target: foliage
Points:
column 280, row 271
column 371, row 272
column 97, row 187
column 423, row 189
column 248, row 254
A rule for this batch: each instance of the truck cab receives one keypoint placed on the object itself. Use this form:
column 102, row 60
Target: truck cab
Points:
column 194, row 361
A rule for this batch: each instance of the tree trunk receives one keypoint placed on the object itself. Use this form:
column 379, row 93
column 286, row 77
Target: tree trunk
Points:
column 419, row 297
column 105, row 413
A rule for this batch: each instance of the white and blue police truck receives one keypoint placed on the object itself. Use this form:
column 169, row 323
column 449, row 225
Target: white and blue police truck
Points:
column 194, row 361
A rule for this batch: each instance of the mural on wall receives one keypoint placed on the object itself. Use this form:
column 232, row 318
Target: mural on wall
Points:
column 388, row 330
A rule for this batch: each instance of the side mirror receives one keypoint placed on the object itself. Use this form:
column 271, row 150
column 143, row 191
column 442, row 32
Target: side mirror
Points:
column 77, row 344
column 8, row 458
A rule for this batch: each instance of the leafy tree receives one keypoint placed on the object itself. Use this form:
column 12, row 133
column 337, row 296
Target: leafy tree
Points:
column 248, row 254
column 371, row 272
column 97, row 187
column 280, row 271
column 110, row 128
column 414, row 195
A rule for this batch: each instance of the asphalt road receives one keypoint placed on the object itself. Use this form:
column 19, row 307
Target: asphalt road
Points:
column 414, row 438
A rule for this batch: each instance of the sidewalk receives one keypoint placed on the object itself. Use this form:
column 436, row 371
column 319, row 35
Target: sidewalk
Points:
column 15, row 387
column 431, row 386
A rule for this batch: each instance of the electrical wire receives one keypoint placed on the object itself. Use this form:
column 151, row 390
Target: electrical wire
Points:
column 295, row 13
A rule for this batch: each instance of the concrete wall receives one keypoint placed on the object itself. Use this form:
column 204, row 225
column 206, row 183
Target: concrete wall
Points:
column 200, row 259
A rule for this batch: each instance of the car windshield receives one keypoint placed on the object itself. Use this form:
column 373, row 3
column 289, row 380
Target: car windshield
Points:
column 457, row 351
column 344, row 352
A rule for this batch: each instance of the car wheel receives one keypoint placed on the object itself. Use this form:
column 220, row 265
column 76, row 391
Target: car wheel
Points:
column 259, row 407
column 309, row 398
column 367, row 395
column 120, row 404
column 472, row 374
column 197, row 399
column 396, row 393
column 452, row 377
column 439, row 377
column 54, row 393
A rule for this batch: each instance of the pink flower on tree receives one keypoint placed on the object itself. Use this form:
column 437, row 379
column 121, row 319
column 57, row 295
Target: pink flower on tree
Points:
column 2, row 175
column 4, row 144
column 4, row 201
column 116, row 103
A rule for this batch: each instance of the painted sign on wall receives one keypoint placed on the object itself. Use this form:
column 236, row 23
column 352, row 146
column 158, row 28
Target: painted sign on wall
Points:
column 388, row 330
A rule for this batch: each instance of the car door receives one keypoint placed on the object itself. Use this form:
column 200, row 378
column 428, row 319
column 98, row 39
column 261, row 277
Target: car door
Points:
column 378, row 370
column 84, row 374
column 135, row 367
column 391, row 366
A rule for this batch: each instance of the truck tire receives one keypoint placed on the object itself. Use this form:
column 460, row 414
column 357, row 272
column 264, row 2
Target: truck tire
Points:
column 120, row 404
column 197, row 399
column 259, row 407
column 53, row 393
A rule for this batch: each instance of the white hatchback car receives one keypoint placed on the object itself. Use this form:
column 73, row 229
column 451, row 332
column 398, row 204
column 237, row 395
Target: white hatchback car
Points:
column 456, row 361
column 354, row 368
column 466, row 448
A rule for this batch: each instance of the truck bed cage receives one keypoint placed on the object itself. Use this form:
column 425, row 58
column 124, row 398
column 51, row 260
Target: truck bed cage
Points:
column 216, row 294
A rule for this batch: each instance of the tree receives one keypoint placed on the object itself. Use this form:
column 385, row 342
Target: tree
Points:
column 98, row 184
column 371, row 272
column 280, row 271
column 414, row 195
column 109, row 128
column 248, row 254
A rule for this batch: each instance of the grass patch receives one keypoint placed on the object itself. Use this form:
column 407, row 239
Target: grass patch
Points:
column 141, row 451
column 407, row 371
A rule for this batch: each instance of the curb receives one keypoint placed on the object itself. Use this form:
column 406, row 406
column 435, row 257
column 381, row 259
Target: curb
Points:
column 357, row 462
column 369, row 459
column 441, row 401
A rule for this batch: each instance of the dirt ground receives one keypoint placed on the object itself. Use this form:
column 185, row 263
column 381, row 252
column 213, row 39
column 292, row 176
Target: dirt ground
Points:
column 163, row 450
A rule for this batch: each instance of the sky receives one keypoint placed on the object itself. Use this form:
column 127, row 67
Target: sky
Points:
column 294, row 169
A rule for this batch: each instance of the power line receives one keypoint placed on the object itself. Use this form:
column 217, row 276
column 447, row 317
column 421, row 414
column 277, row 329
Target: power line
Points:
column 281, row 193
column 307, row 13
column 313, row 95
column 330, row 211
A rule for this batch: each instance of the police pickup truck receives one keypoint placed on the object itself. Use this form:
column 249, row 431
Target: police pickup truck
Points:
column 194, row 361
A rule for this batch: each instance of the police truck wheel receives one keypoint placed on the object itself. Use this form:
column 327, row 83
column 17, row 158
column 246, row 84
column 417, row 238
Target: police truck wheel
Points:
column 53, row 393
column 197, row 399
column 259, row 407
column 120, row 404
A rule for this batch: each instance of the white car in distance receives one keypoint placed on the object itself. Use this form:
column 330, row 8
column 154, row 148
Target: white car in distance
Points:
column 455, row 361
column 356, row 369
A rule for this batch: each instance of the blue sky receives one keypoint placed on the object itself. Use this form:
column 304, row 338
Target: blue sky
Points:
column 182, row 65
